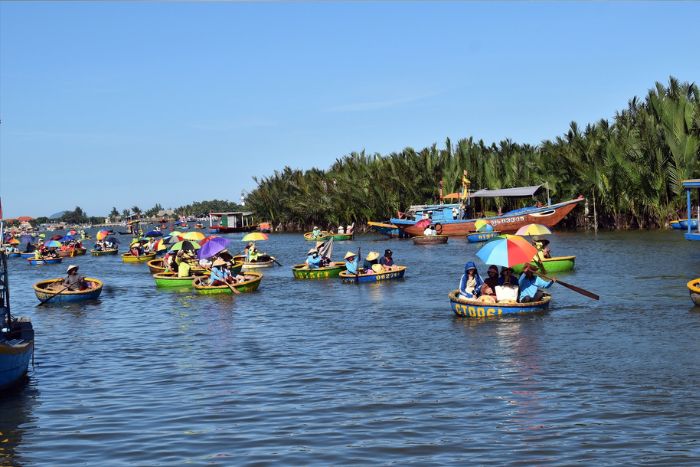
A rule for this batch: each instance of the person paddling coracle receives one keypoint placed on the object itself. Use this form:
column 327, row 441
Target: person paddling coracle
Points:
column 530, row 283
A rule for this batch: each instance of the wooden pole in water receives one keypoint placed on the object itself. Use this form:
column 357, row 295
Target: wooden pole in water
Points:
column 595, row 215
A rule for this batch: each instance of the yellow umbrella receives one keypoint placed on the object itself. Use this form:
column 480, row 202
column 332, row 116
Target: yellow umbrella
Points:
column 482, row 225
column 196, row 236
column 533, row 229
column 254, row 237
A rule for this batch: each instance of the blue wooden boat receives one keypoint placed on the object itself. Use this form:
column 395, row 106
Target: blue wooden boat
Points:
column 27, row 255
column 464, row 307
column 676, row 225
column 397, row 272
column 45, row 289
column 16, row 337
column 477, row 237
column 36, row 262
column 683, row 223
column 385, row 228
column 14, row 255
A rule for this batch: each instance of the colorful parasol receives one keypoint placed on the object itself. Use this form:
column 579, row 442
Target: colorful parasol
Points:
column 185, row 245
column 52, row 244
column 533, row 229
column 193, row 236
column 204, row 241
column 176, row 233
column 507, row 250
column 423, row 223
column 102, row 234
column 212, row 247
column 254, row 237
column 481, row 226
column 14, row 241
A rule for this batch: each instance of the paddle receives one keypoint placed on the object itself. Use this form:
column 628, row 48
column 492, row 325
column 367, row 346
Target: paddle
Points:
column 52, row 296
column 233, row 289
column 573, row 287
column 357, row 270
column 275, row 260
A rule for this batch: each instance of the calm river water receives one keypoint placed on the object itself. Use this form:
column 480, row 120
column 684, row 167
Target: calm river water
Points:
column 323, row 372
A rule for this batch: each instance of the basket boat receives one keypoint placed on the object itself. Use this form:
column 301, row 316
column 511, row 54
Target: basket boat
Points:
column 554, row 264
column 694, row 289
column 301, row 271
column 105, row 252
column 430, row 239
column 171, row 279
column 129, row 258
column 45, row 289
column 478, row 237
column 397, row 272
column 251, row 284
column 470, row 308
column 36, row 262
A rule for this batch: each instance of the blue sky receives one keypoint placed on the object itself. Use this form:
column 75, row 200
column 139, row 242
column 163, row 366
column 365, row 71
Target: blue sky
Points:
column 122, row 104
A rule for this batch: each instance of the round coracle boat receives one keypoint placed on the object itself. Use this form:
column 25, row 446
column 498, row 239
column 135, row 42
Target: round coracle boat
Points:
column 302, row 271
column 129, row 258
column 250, row 284
column 341, row 237
column 430, row 239
column 104, row 252
column 471, row 308
column 694, row 289
column 396, row 272
column 478, row 237
column 171, row 279
column 261, row 263
column 27, row 254
column 70, row 252
column 553, row 264
column 36, row 262
column 156, row 266
column 45, row 289
column 324, row 235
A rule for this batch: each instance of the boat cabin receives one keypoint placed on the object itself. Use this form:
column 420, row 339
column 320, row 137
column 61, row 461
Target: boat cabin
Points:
column 232, row 221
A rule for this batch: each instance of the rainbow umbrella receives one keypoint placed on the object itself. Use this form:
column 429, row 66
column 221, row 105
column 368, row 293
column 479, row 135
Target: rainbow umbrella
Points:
column 254, row 237
column 479, row 224
column 507, row 250
column 185, row 245
column 14, row 241
column 195, row 236
column 533, row 229
column 102, row 234
column 176, row 233
column 52, row 244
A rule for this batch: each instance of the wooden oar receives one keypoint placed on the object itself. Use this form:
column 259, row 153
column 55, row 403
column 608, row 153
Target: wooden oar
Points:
column 275, row 260
column 52, row 296
column 357, row 270
column 573, row 287
column 233, row 289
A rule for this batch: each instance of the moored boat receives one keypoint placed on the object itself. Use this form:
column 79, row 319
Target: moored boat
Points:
column 341, row 237
column 72, row 252
column 390, row 230
column 16, row 336
column 171, row 279
column 478, row 237
column 251, row 284
column 396, row 272
column 54, row 287
column 104, row 252
column 301, row 271
column 676, row 225
column 694, row 289
column 683, row 224
column 553, row 264
column 464, row 307
column 129, row 258
column 430, row 239
column 309, row 237
column 39, row 261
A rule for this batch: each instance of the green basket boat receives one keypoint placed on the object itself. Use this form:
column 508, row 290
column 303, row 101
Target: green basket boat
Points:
column 105, row 252
column 171, row 279
column 301, row 271
column 554, row 264
column 251, row 284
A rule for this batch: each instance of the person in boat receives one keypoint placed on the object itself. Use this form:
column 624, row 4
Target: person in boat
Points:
column 341, row 230
column 371, row 259
column 253, row 254
column 530, row 285
column 73, row 281
column 490, row 283
column 99, row 246
column 313, row 260
column 136, row 249
column 169, row 262
column 543, row 250
column 183, row 269
column 350, row 262
column 430, row 231
column 471, row 282
column 387, row 260
column 220, row 275
column 316, row 232
column 507, row 277
column 51, row 253
column 350, row 229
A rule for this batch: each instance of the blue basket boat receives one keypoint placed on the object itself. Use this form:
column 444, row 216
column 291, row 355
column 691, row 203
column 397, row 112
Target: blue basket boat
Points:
column 478, row 237
column 36, row 262
column 53, row 287
column 397, row 272
column 464, row 307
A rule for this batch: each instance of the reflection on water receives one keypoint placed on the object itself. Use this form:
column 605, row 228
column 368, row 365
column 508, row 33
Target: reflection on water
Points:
column 323, row 372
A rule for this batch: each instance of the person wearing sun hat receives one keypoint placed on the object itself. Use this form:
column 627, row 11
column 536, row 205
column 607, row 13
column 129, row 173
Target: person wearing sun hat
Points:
column 73, row 281
column 371, row 259
column 316, row 232
column 351, row 262
column 530, row 285
column 219, row 274
column 313, row 260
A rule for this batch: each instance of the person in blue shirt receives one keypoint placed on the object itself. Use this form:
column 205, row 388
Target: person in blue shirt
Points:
column 530, row 285
column 351, row 262
column 471, row 282
column 313, row 260
column 219, row 274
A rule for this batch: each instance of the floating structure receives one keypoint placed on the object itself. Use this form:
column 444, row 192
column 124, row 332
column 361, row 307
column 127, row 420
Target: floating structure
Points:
column 229, row 222
column 691, row 222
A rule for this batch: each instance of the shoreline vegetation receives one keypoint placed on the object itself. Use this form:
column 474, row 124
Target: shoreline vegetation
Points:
column 630, row 169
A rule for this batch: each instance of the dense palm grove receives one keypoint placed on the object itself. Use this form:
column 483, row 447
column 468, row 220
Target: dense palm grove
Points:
column 632, row 167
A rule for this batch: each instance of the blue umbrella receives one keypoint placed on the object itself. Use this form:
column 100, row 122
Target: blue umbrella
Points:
column 67, row 238
column 153, row 233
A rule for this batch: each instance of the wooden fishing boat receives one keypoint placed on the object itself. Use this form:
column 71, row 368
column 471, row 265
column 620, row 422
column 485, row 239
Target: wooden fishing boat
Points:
column 171, row 279
column 683, row 223
column 694, row 289
column 676, row 225
column 324, row 235
column 478, row 237
column 464, row 307
column 16, row 337
column 390, row 230
column 301, row 271
column 45, row 289
column 129, row 258
column 251, row 284
column 554, row 264
column 72, row 252
column 104, row 252
column 36, row 262
column 397, row 272
column 27, row 254
column 430, row 239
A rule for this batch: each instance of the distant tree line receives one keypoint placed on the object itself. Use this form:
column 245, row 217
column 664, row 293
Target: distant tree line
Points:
column 631, row 166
